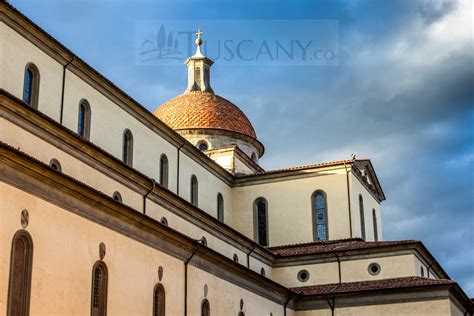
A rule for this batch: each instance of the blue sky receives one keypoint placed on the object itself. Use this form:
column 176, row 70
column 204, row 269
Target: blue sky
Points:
column 402, row 94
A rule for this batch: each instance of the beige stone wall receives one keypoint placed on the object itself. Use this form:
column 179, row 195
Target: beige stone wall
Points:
column 108, row 119
column 27, row 142
column 421, row 308
column 391, row 267
column 65, row 249
column 62, row 267
column 370, row 203
column 224, row 297
column 323, row 273
column 208, row 184
column 352, row 270
column 108, row 122
column 290, row 207
column 16, row 53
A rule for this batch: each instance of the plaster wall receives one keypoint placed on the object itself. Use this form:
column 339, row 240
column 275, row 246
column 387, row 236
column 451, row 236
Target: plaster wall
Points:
column 62, row 267
column 390, row 267
column 228, row 297
column 370, row 203
column 15, row 53
column 420, row 308
column 290, row 207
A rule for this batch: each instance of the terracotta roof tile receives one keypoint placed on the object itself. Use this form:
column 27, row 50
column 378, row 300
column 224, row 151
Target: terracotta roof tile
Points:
column 321, row 247
column 397, row 283
column 196, row 109
column 318, row 165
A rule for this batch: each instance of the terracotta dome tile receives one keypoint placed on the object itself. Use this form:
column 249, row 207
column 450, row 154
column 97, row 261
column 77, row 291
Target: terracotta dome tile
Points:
column 204, row 110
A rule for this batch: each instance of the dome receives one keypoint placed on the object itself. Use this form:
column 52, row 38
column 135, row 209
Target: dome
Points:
column 204, row 110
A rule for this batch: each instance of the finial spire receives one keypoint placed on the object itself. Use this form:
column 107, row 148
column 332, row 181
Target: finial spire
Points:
column 198, row 39
column 198, row 44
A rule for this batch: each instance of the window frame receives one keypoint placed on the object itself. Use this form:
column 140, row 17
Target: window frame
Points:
column 205, row 303
column 220, row 207
column 255, row 221
column 374, row 222
column 164, row 171
column 194, row 191
column 127, row 147
column 25, row 237
column 314, row 216
column 104, row 288
column 34, row 85
column 86, row 119
column 159, row 289
column 362, row 217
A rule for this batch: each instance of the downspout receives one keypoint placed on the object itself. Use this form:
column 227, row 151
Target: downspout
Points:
column 196, row 244
column 339, row 268
column 248, row 254
column 177, row 170
column 348, row 199
column 332, row 305
column 146, row 195
column 290, row 296
column 62, row 90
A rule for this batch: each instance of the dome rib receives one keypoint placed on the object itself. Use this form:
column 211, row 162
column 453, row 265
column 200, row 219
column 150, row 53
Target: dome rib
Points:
column 204, row 110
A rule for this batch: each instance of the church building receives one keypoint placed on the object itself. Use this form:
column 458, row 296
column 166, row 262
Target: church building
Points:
column 107, row 208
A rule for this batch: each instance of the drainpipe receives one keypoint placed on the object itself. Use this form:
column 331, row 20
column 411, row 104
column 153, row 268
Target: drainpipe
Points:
column 290, row 296
column 62, row 89
column 339, row 268
column 348, row 199
column 146, row 195
column 195, row 247
column 331, row 305
column 248, row 254
column 177, row 170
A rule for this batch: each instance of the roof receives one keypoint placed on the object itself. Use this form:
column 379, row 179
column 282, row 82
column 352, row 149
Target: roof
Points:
column 321, row 247
column 204, row 110
column 351, row 287
column 312, row 166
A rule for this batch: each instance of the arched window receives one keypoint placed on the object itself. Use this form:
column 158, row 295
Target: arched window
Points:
column 374, row 220
column 159, row 300
column 261, row 221
column 127, row 149
column 362, row 219
column 20, row 274
column 205, row 308
column 164, row 169
column 320, row 216
column 54, row 163
column 84, row 119
column 31, row 85
column 220, row 207
column 99, row 289
column 194, row 190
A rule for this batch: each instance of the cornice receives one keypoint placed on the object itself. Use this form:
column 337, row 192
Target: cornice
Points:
column 32, row 176
column 42, row 126
column 44, row 41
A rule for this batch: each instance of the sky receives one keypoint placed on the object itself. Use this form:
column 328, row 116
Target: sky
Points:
column 399, row 90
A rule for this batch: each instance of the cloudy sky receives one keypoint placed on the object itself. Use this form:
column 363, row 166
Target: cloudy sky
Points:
column 400, row 93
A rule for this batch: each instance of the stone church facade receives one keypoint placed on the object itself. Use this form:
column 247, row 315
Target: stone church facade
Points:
column 107, row 208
